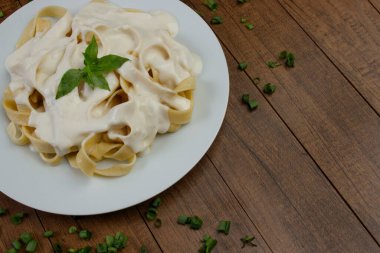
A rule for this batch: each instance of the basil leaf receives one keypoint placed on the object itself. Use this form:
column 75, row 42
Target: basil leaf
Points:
column 95, row 79
column 108, row 63
column 70, row 80
column 91, row 52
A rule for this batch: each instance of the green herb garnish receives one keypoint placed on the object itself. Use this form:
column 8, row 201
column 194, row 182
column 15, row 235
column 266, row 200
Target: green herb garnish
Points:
column 245, row 98
column 211, row 4
column 256, row 80
column 48, row 234
column 16, row 244
column 17, row 218
column 57, row 248
column 243, row 65
column 143, row 249
column 243, row 20
column 93, row 71
column 242, row 1
column 247, row 240
column 216, row 20
column 120, row 240
column 13, row 250
column 3, row 211
column 31, row 246
column 288, row 57
column 151, row 214
column 73, row 229
column 269, row 88
column 156, row 202
column 249, row 26
column 253, row 104
column 86, row 249
column 208, row 243
column 224, row 227
column 273, row 64
column 183, row 219
column 158, row 223
column 112, row 243
column 1, row 14
column 85, row 234
column 195, row 222
column 26, row 237
column 71, row 250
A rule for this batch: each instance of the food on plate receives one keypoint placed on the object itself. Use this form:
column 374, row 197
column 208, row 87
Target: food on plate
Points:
column 98, row 85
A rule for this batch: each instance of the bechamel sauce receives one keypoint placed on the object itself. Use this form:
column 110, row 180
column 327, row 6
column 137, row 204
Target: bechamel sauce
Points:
column 41, row 62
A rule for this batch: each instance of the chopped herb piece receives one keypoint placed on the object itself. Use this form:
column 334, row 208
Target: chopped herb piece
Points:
column 85, row 234
column 86, row 249
column 143, row 249
column 156, row 202
column 158, row 223
column 1, row 14
column 245, row 98
column 57, row 248
column 256, row 80
column 273, row 64
column 249, row 26
column 16, row 244
column 247, row 240
column 48, row 234
column 224, row 227
column 31, row 246
column 17, row 218
column 252, row 104
column 282, row 55
column 120, row 240
column 183, row 219
column 290, row 60
column 112, row 250
column 151, row 214
column 242, row 1
column 11, row 251
column 208, row 243
column 211, row 4
column 269, row 88
column 3, row 211
column 216, row 20
column 195, row 222
column 243, row 20
column 73, row 229
column 243, row 65
column 26, row 237
column 110, row 240
column 101, row 248
column 71, row 250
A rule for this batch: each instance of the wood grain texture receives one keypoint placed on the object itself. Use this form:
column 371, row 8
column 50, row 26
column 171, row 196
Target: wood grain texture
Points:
column 325, row 113
column 348, row 33
column 375, row 4
column 203, row 193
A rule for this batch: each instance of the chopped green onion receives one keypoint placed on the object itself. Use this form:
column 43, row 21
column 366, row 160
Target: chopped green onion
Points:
column 208, row 243
column 224, row 227
column 249, row 26
column 243, row 20
column 16, row 244
column 245, row 98
column 143, row 249
column 211, row 4
column 48, row 234
column 3, row 211
column 85, row 234
column 252, row 104
column 273, row 64
column 112, row 250
column 241, row 1
column 26, row 237
column 256, row 80
column 17, row 218
column 73, row 229
column 57, row 248
column 31, row 246
column 269, row 88
column 102, row 248
column 195, row 222
column 183, row 219
column 11, row 251
column 156, row 202
column 247, row 240
column 151, row 214
column 216, row 20
column 290, row 60
column 110, row 240
column 282, row 55
column 86, row 249
column 1, row 14
column 243, row 65
column 120, row 240
column 71, row 250
column 158, row 223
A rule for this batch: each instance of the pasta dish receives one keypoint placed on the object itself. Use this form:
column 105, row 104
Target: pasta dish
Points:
column 139, row 83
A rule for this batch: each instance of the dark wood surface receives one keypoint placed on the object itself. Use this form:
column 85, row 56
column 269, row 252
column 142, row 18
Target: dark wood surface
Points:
column 301, row 173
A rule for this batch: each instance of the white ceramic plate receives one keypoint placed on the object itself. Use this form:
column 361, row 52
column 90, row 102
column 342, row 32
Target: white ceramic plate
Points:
column 63, row 190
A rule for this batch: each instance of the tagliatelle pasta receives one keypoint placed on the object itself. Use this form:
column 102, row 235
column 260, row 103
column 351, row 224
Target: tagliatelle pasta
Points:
column 150, row 94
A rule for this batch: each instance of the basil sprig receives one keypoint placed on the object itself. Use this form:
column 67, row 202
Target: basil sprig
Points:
column 93, row 71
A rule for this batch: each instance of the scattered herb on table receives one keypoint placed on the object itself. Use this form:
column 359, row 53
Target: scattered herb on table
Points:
column 112, row 243
column 143, row 249
column 152, row 212
column 256, row 80
column 57, row 248
column 16, row 244
column 85, row 234
column 243, row 20
column 224, row 227
column 17, row 218
column 269, row 88
column 12, row 250
column 288, row 57
column 31, row 246
column 273, row 64
column 242, row 65
column 245, row 98
column 251, row 103
column 249, row 26
column 1, row 14
column 26, row 237
column 211, row 4
column 194, row 222
column 216, row 20
column 71, row 250
column 93, row 71
column 247, row 240
column 48, row 234
column 73, row 229
column 86, row 249
column 183, row 219
column 158, row 223
column 3, row 211
column 208, row 243
column 242, row 1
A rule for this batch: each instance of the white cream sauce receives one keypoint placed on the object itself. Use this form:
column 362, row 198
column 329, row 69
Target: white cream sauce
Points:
column 147, row 39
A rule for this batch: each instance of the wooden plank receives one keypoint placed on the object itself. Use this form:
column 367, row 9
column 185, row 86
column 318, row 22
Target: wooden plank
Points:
column 8, row 7
column 348, row 33
column 323, row 111
column 127, row 221
column 375, row 4
column 30, row 224
column 203, row 193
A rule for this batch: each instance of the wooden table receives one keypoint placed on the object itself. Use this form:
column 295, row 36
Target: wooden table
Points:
column 301, row 173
